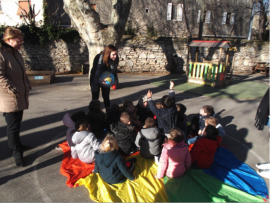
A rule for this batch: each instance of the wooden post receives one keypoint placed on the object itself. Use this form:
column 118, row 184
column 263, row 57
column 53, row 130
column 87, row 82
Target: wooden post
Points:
column 187, row 66
column 197, row 52
column 227, row 59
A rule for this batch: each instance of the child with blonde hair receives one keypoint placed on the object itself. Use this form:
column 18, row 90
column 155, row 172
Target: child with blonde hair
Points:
column 85, row 142
column 110, row 165
column 175, row 157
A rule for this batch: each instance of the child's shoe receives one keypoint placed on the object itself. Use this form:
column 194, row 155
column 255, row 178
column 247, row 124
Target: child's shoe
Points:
column 265, row 165
column 264, row 173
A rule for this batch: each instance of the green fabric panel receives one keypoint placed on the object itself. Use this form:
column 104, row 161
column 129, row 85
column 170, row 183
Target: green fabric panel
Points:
column 197, row 186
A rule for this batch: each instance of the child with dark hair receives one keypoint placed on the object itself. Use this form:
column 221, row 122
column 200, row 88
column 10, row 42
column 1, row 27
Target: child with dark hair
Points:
column 149, row 139
column 198, row 121
column 125, row 134
column 110, row 165
column 204, row 149
column 85, row 142
column 181, row 117
column 132, row 111
column 175, row 157
column 113, row 116
column 143, row 111
column 166, row 116
column 69, row 121
column 214, row 122
column 96, row 119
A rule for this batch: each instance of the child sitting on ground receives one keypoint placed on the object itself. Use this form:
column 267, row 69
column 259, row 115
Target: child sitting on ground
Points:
column 175, row 157
column 125, row 134
column 85, row 143
column 181, row 117
column 132, row 111
column 69, row 121
column 113, row 116
column 166, row 116
column 143, row 110
column 214, row 122
column 96, row 119
column 110, row 165
column 149, row 139
column 198, row 121
column 204, row 149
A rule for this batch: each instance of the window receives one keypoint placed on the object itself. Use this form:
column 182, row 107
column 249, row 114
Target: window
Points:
column 146, row 10
column 199, row 16
column 228, row 18
column 208, row 16
column 23, row 5
column 232, row 18
column 175, row 12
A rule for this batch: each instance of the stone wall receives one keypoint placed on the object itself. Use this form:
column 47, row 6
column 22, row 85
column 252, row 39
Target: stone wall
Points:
column 141, row 54
column 58, row 56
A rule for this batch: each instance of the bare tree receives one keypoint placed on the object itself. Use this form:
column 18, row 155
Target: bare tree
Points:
column 30, row 16
column 95, row 34
column 262, row 20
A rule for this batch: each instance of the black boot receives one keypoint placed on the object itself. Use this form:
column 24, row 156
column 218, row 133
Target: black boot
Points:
column 18, row 157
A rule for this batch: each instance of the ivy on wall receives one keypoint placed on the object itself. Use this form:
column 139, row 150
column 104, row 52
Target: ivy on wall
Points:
column 46, row 33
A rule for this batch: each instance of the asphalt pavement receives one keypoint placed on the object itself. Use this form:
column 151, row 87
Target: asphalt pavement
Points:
column 42, row 127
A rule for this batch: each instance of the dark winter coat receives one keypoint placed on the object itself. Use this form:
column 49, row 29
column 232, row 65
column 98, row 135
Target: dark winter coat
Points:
column 97, row 122
column 149, row 141
column 203, row 152
column 111, row 167
column 143, row 112
column 112, row 118
column 262, row 112
column 104, row 68
column 166, row 117
column 125, row 136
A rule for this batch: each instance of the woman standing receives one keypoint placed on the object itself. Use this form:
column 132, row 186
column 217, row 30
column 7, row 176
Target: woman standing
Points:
column 107, row 60
column 14, row 89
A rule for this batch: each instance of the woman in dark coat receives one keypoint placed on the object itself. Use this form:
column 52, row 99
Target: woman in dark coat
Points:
column 14, row 89
column 107, row 60
column 262, row 119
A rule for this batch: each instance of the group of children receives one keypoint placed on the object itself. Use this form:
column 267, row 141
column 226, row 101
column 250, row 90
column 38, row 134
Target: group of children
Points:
column 160, row 131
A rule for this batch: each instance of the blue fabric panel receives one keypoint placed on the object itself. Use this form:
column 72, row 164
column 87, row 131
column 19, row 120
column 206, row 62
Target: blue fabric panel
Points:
column 237, row 174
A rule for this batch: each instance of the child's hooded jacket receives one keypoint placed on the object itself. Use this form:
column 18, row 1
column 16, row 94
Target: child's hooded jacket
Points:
column 111, row 167
column 174, row 160
column 203, row 152
column 125, row 136
column 85, row 146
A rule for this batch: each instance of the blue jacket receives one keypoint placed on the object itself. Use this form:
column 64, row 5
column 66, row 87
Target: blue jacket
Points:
column 111, row 167
column 166, row 117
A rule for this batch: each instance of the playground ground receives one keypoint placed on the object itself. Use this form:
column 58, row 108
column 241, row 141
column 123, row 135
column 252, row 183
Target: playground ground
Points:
column 42, row 127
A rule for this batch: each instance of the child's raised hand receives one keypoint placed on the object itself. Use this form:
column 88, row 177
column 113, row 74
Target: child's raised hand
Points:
column 149, row 94
column 171, row 85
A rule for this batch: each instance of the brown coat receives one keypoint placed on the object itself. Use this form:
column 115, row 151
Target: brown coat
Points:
column 14, row 83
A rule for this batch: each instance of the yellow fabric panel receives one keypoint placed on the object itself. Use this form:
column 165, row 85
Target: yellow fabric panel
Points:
column 146, row 188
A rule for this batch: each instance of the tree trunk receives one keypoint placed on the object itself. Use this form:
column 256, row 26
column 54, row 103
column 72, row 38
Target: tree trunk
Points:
column 261, row 21
column 95, row 34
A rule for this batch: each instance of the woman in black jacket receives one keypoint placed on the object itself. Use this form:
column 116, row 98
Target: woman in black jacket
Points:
column 107, row 60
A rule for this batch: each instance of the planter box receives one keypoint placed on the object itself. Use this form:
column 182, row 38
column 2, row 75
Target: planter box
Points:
column 41, row 77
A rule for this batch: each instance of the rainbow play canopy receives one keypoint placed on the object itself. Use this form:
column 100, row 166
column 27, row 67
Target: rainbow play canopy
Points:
column 196, row 185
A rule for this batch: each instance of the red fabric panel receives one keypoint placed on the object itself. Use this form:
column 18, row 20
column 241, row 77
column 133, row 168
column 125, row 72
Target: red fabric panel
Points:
column 73, row 169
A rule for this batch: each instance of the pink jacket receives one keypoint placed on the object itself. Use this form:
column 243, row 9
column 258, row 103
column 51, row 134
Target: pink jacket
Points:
column 174, row 160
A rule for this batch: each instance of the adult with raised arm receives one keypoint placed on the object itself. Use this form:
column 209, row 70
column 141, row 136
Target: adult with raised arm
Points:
column 107, row 60
column 14, row 89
